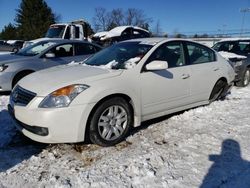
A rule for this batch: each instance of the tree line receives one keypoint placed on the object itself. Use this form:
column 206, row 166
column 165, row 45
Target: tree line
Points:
column 33, row 18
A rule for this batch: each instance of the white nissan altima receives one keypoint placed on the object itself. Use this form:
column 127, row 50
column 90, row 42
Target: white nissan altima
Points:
column 118, row 88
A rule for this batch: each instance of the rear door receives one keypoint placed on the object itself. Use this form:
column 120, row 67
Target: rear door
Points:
column 205, row 70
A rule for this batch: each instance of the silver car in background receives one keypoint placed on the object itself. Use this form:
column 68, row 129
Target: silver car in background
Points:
column 41, row 55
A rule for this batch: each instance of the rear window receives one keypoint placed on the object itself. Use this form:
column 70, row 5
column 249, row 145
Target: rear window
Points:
column 85, row 49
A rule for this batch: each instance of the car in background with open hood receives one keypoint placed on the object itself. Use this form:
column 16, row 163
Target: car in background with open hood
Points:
column 237, row 50
column 120, row 33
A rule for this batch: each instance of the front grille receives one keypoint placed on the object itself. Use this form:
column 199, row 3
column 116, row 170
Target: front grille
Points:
column 21, row 96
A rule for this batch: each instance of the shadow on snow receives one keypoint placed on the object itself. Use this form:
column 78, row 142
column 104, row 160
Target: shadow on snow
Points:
column 228, row 168
column 14, row 147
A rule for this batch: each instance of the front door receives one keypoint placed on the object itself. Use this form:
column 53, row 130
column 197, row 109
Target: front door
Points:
column 166, row 89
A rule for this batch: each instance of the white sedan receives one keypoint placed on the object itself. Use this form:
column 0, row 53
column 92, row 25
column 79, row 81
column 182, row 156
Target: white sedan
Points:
column 118, row 88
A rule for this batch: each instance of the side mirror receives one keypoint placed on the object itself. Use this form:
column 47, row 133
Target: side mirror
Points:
column 157, row 65
column 50, row 55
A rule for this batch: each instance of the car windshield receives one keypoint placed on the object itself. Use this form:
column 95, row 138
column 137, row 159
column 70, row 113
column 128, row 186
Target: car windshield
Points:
column 35, row 49
column 123, row 55
column 240, row 48
column 55, row 31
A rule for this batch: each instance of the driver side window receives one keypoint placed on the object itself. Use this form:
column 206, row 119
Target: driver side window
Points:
column 172, row 52
column 64, row 50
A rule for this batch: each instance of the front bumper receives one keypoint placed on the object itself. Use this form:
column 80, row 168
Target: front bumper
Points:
column 57, row 125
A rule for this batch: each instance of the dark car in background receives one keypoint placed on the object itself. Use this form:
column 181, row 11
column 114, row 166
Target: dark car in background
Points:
column 120, row 33
column 11, row 45
column 238, row 52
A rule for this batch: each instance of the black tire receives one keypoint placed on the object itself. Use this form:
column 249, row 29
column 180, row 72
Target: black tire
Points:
column 19, row 76
column 95, row 129
column 217, row 91
column 244, row 80
column 15, row 50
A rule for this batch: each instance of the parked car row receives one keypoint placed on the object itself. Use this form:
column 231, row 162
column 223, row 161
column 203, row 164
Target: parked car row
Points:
column 11, row 45
column 113, row 90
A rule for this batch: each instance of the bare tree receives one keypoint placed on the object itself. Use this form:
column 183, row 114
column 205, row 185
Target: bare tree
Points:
column 136, row 17
column 100, row 19
column 104, row 20
column 117, row 16
column 158, row 30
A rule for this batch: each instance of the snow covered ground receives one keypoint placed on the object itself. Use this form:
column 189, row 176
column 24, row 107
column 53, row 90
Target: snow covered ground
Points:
column 3, row 53
column 207, row 146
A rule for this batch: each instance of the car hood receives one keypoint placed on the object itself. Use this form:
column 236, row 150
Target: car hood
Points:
column 46, row 81
column 229, row 55
column 12, row 58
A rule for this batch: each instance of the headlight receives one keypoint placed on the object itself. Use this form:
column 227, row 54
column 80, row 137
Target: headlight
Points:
column 3, row 67
column 63, row 96
column 238, row 63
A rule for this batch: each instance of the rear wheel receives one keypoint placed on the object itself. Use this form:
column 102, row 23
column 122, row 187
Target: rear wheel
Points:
column 245, row 79
column 217, row 91
column 110, row 122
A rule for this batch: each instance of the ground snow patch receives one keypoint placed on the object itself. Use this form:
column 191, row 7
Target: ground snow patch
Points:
column 203, row 147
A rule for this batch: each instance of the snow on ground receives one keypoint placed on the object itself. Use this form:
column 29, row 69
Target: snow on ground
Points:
column 203, row 147
column 3, row 53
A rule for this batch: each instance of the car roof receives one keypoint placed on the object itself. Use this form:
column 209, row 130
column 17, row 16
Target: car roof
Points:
column 156, row 40
column 234, row 39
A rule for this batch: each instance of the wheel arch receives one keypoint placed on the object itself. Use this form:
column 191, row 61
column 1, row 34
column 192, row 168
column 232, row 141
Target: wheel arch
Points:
column 128, row 99
column 20, row 73
column 224, row 79
column 215, row 85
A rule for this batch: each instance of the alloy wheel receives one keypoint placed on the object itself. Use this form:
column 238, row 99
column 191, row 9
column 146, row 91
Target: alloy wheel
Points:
column 112, row 122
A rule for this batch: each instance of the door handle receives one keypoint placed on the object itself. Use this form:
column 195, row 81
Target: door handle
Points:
column 185, row 76
column 216, row 69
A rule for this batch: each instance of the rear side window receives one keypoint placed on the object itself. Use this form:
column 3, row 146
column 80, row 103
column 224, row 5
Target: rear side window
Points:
column 199, row 54
column 244, row 47
column 85, row 49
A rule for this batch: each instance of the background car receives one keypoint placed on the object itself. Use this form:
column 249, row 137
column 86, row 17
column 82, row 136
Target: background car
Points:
column 39, row 56
column 117, row 88
column 241, row 60
column 11, row 45
column 120, row 33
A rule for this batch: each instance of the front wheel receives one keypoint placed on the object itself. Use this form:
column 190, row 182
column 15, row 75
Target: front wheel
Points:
column 110, row 122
